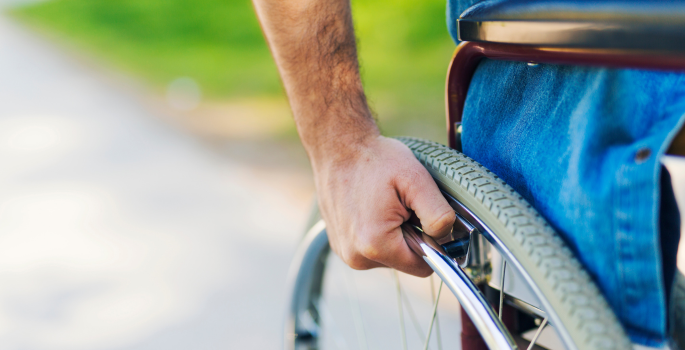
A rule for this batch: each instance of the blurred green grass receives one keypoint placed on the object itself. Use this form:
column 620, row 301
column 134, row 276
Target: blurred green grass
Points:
column 404, row 49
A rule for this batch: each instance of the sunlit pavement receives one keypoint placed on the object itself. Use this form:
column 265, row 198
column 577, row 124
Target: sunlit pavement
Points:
column 120, row 232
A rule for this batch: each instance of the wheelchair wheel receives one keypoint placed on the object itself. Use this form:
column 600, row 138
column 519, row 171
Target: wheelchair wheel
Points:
column 560, row 290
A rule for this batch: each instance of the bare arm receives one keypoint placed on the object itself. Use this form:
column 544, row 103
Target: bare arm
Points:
column 366, row 184
column 314, row 46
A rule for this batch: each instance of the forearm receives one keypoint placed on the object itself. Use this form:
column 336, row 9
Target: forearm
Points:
column 366, row 184
column 314, row 46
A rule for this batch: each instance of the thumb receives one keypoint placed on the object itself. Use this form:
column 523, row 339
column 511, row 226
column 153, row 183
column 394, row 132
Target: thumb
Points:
column 425, row 199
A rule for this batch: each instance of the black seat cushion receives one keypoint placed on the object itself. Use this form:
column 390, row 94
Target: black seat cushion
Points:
column 628, row 24
column 654, row 11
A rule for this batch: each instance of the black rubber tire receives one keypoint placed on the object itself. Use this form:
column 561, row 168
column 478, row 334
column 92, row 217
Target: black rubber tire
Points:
column 582, row 309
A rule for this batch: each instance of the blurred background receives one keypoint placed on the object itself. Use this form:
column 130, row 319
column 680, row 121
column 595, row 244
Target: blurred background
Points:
column 209, row 57
column 153, row 188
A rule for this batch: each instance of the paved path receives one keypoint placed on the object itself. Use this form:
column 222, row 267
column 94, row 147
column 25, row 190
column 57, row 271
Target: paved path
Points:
column 121, row 232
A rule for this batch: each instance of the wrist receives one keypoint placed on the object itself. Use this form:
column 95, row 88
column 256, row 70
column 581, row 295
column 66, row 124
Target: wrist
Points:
column 341, row 149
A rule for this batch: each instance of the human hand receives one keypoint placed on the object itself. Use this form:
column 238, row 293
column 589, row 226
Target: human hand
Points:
column 368, row 185
column 366, row 196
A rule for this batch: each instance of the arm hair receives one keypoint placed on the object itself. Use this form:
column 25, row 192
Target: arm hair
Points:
column 315, row 50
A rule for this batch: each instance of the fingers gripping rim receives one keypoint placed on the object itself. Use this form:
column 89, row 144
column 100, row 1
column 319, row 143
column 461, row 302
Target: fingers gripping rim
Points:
column 580, row 307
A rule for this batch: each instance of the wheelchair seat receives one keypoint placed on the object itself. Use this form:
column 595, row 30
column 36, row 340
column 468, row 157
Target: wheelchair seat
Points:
column 610, row 24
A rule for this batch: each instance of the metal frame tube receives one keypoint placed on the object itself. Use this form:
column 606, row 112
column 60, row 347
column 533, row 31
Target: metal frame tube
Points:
column 468, row 54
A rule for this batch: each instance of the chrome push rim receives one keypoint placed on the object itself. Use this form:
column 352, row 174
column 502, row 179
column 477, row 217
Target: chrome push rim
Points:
column 547, row 312
column 302, row 328
column 306, row 273
column 489, row 325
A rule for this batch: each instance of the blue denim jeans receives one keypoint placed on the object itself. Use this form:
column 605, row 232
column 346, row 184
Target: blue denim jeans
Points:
column 582, row 145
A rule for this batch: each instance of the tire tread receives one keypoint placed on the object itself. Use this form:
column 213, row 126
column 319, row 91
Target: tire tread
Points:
column 587, row 315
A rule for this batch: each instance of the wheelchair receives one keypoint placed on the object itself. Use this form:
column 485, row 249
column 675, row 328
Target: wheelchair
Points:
column 502, row 258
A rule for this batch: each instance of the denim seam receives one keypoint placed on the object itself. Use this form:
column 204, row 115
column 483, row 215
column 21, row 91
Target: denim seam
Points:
column 655, row 215
column 654, row 223
column 616, row 229
column 657, row 173
column 664, row 147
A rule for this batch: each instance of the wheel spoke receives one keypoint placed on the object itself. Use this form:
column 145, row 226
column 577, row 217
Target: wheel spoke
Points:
column 437, row 318
column 412, row 315
column 356, row 310
column 501, row 288
column 537, row 334
column 400, row 309
column 435, row 312
column 338, row 338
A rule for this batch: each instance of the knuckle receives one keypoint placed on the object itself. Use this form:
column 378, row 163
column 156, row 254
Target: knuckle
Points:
column 356, row 262
column 411, row 175
column 366, row 247
column 369, row 251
